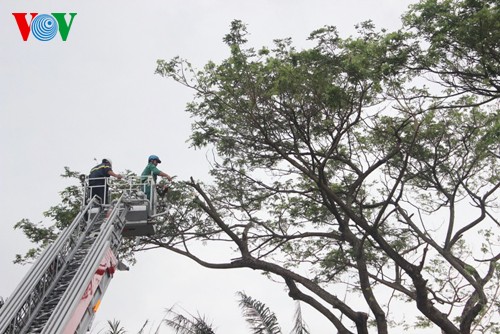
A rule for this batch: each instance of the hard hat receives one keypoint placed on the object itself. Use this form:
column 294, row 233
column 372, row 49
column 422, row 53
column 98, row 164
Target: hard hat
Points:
column 107, row 160
column 154, row 157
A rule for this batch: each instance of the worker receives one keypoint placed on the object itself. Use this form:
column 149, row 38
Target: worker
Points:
column 98, row 180
column 152, row 170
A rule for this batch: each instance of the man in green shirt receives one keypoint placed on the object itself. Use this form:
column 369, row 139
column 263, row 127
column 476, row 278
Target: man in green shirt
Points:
column 152, row 170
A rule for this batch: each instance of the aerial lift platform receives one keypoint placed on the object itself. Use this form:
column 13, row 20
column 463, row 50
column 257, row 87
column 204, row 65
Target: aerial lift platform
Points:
column 62, row 291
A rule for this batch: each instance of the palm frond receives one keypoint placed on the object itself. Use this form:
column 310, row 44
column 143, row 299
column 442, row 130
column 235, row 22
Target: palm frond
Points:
column 141, row 331
column 300, row 326
column 261, row 319
column 114, row 327
column 188, row 325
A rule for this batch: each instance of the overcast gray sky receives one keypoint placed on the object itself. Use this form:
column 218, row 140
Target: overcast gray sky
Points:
column 96, row 95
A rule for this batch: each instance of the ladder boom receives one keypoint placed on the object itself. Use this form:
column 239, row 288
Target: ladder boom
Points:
column 23, row 303
column 65, row 309
column 62, row 290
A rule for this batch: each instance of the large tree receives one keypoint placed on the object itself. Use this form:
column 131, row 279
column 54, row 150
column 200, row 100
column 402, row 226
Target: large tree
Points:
column 335, row 172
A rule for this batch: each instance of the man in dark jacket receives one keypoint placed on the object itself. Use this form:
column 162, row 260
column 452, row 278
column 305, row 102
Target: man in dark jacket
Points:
column 98, row 180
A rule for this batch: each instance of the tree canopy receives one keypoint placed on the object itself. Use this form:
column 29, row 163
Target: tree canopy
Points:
column 364, row 167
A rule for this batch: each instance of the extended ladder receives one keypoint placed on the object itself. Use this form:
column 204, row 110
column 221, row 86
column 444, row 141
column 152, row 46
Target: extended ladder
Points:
column 62, row 290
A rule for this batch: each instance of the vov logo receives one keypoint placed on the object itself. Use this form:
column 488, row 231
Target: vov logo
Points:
column 44, row 27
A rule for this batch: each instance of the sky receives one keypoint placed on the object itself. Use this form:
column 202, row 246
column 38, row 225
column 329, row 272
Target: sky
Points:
column 95, row 95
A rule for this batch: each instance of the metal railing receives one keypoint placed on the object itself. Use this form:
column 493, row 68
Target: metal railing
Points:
column 27, row 298
column 141, row 188
column 109, row 238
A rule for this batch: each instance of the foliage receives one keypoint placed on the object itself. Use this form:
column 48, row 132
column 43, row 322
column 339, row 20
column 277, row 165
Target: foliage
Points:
column 115, row 328
column 458, row 41
column 188, row 325
column 260, row 318
column 336, row 172
column 300, row 326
